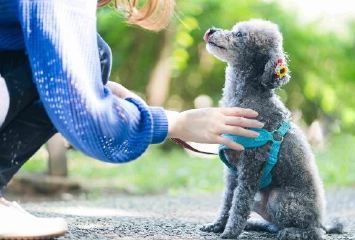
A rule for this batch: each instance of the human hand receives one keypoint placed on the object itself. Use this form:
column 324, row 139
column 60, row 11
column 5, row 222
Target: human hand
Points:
column 121, row 92
column 206, row 125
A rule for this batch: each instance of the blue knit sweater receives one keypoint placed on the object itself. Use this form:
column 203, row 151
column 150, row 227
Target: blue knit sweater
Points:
column 59, row 37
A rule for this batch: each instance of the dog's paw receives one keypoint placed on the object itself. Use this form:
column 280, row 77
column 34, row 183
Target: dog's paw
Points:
column 229, row 235
column 213, row 227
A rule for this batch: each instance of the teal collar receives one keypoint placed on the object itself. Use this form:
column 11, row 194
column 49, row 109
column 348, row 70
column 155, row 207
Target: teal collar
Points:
column 263, row 139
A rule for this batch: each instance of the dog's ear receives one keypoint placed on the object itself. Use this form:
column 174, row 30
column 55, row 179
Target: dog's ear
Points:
column 276, row 73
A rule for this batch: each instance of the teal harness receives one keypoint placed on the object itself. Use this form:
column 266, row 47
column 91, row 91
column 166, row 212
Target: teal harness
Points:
column 263, row 139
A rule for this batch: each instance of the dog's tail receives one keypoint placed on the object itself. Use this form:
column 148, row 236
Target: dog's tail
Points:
column 336, row 227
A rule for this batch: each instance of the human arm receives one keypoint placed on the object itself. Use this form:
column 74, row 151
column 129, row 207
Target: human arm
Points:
column 61, row 43
column 204, row 125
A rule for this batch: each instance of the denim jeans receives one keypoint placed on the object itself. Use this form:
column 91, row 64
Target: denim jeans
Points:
column 27, row 126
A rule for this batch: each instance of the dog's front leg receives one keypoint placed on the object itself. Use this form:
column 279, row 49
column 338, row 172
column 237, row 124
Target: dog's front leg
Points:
column 219, row 224
column 250, row 172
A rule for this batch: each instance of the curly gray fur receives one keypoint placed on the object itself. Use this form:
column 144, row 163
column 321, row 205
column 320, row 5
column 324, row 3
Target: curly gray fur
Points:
column 293, row 204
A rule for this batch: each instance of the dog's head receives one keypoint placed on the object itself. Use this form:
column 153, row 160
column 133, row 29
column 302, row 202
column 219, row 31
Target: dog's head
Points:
column 254, row 45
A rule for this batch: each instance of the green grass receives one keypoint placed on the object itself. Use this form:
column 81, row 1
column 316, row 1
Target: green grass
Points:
column 176, row 171
column 337, row 162
column 155, row 172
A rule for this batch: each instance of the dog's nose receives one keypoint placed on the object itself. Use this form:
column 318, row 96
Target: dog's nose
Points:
column 209, row 33
column 212, row 30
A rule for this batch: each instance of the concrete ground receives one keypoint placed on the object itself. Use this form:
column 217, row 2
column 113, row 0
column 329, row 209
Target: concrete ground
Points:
column 166, row 217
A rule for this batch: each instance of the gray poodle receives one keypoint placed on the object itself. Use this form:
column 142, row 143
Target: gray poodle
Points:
column 293, row 204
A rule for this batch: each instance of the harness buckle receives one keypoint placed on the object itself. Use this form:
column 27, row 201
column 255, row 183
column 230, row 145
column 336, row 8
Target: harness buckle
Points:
column 277, row 136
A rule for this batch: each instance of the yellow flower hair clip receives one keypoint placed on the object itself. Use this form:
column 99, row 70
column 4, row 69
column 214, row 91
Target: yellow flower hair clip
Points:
column 280, row 68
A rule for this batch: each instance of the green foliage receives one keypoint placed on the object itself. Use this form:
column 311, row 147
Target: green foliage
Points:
column 132, row 49
column 322, row 84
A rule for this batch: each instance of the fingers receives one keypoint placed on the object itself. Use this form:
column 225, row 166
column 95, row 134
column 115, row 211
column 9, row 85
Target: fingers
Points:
column 117, row 89
column 240, row 112
column 229, row 143
column 240, row 131
column 122, row 92
column 207, row 125
column 243, row 122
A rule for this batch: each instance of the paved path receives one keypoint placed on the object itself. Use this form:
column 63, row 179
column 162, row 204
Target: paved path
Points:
column 165, row 217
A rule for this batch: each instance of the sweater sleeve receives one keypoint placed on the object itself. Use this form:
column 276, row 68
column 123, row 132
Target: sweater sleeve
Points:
column 61, row 42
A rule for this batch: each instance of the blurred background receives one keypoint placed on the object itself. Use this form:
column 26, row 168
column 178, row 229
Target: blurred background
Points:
column 172, row 69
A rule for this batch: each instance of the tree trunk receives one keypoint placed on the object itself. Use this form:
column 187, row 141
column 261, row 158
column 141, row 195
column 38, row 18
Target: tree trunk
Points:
column 158, row 87
column 57, row 156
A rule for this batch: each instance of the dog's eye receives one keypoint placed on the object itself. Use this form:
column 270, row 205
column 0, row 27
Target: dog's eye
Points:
column 239, row 34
